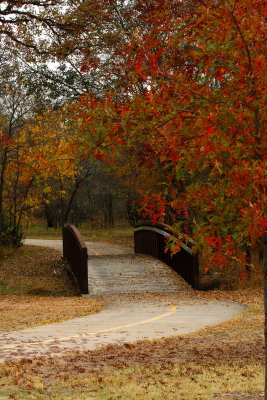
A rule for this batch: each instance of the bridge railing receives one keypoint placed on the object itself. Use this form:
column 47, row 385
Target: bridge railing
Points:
column 151, row 239
column 75, row 253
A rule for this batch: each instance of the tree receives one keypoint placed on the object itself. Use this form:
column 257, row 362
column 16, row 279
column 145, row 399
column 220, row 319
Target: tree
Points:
column 201, row 116
column 36, row 147
column 36, row 24
column 18, row 107
column 202, row 66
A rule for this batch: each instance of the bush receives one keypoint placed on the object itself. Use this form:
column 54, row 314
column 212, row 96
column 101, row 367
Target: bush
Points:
column 10, row 236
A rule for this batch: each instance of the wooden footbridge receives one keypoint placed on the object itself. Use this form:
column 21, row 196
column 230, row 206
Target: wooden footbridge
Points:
column 149, row 239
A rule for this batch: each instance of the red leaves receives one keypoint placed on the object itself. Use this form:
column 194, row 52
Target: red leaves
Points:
column 156, row 217
column 216, row 242
column 153, row 208
column 6, row 141
column 139, row 69
column 85, row 67
column 99, row 155
column 209, row 130
column 198, row 120
column 90, row 61
column 153, row 60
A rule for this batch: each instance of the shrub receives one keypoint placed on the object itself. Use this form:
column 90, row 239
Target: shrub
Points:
column 10, row 236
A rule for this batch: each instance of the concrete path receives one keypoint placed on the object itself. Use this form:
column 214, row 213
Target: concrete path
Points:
column 94, row 248
column 144, row 299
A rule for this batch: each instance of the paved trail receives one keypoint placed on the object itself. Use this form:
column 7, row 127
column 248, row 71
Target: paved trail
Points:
column 144, row 299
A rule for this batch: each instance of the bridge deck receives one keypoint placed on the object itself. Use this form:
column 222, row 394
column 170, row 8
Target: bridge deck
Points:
column 132, row 274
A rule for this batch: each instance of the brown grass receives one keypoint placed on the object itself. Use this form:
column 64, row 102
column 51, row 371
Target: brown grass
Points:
column 19, row 312
column 227, row 358
column 35, row 290
column 225, row 362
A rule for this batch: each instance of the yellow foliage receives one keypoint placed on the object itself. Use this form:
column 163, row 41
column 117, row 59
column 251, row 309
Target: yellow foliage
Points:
column 41, row 160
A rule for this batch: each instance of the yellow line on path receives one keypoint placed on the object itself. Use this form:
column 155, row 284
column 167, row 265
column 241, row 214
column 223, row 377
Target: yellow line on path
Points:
column 173, row 310
column 96, row 253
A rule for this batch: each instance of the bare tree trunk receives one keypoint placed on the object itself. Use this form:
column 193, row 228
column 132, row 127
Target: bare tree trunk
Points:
column 27, row 190
column 248, row 260
column 110, row 218
column 2, row 179
column 50, row 218
column 75, row 190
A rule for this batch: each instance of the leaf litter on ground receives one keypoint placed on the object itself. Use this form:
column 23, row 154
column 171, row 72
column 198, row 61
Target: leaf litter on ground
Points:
column 35, row 289
column 227, row 358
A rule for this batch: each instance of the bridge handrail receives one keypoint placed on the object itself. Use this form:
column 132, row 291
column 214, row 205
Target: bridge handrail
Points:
column 150, row 238
column 75, row 253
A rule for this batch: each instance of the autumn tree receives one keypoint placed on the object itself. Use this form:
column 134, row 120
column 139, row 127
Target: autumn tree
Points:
column 201, row 115
column 202, row 66
column 37, row 148
column 18, row 106
column 37, row 25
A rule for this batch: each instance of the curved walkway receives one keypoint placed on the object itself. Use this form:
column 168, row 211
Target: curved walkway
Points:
column 144, row 299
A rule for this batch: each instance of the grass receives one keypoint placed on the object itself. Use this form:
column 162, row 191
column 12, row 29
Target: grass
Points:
column 34, row 270
column 35, row 290
column 227, row 358
column 122, row 235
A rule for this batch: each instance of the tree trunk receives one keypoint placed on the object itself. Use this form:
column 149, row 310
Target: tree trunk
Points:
column 248, row 260
column 2, row 179
column 50, row 218
column 110, row 210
